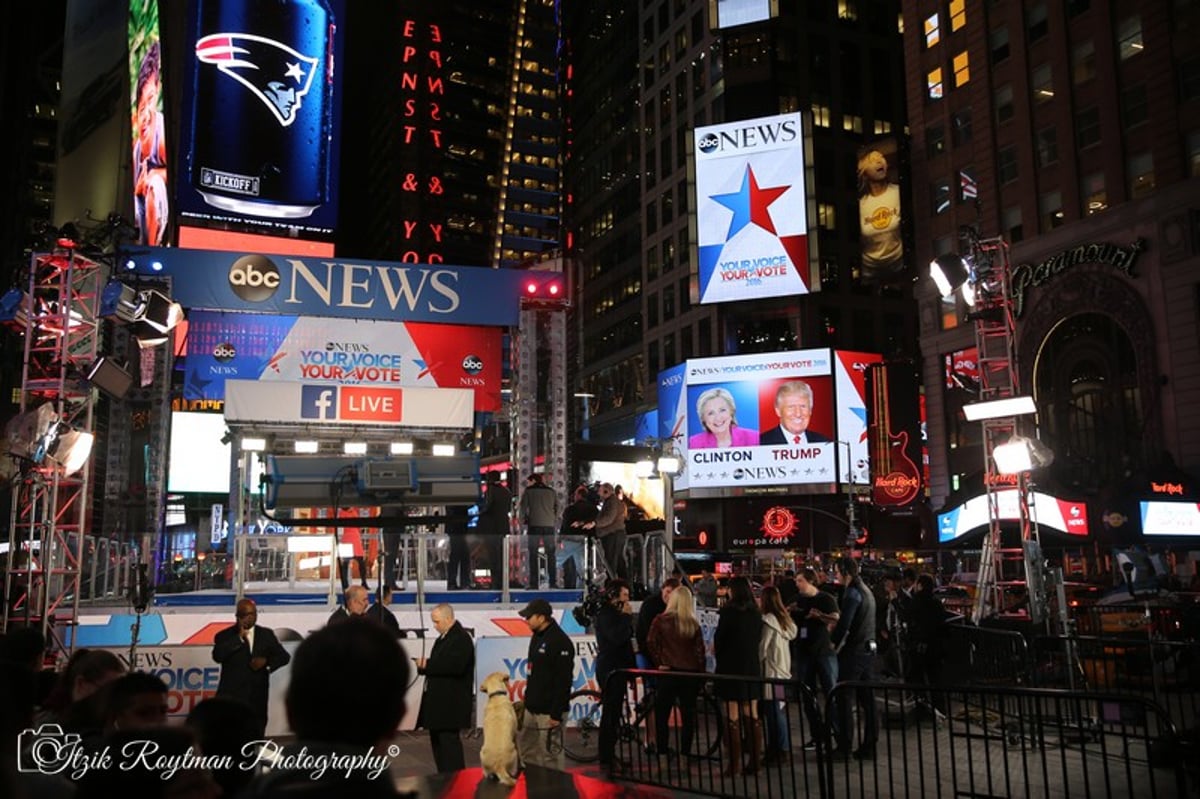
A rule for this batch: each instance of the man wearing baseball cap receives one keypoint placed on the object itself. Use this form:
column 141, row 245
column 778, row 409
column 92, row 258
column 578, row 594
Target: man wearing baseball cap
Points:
column 548, row 690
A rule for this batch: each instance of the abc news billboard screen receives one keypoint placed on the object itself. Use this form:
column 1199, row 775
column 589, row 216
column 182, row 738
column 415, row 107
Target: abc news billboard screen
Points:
column 261, row 90
column 768, row 420
column 313, row 350
column 752, row 210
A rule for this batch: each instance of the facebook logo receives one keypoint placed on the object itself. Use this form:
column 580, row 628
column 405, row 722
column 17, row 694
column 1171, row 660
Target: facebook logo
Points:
column 316, row 402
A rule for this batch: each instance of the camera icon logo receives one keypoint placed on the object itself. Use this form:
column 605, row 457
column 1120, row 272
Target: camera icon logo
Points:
column 47, row 749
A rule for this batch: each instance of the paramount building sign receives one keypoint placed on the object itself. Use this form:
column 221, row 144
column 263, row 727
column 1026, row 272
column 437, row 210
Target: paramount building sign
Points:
column 1028, row 276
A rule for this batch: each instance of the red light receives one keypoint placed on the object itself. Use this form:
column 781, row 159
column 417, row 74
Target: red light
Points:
column 702, row 539
column 531, row 287
column 554, row 289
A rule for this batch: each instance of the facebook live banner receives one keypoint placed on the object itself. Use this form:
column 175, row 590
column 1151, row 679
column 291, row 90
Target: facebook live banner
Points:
column 752, row 382
column 854, row 464
column 1061, row 515
column 224, row 345
column 307, row 403
column 752, row 210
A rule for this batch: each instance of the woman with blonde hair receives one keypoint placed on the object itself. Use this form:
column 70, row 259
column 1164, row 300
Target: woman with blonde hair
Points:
column 774, row 649
column 717, row 412
column 676, row 643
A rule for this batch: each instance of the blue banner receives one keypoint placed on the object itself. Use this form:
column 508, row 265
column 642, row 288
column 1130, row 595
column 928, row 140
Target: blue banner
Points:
column 278, row 284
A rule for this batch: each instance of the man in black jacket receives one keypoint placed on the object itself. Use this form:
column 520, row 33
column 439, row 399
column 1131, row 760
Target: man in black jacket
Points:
column 548, row 690
column 446, row 703
column 614, row 650
column 248, row 654
column 493, row 526
column 854, row 640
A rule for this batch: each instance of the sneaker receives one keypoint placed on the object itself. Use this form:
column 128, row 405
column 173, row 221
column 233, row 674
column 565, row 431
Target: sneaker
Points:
column 811, row 746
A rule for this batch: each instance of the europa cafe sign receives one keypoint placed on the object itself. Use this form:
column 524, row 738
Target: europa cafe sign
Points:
column 1028, row 276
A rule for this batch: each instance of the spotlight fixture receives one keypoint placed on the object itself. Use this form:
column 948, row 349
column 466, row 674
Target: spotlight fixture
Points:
column 151, row 313
column 14, row 309
column 669, row 464
column 949, row 272
column 110, row 377
column 355, row 447
column 250, row 444
column 1021, row 454
column 644, row 468
column 30, row 433
column 307, row 447
column 999, row 409
column 443, row 450
column 70, row 449
column 402, row 448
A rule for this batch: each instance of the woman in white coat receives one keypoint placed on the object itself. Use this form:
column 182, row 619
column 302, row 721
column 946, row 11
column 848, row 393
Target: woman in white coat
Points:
column 775, row 652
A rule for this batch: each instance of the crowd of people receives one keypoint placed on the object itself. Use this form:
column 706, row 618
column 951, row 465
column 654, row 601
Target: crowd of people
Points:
column 799, row 629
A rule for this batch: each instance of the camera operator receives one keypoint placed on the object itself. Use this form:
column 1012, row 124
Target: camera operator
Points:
column 614, row 651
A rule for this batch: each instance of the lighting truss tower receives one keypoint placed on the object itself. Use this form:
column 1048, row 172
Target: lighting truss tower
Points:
column 995, row 340
column 49, row 509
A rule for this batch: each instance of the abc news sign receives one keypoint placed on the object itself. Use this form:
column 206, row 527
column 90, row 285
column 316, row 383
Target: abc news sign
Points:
column 341, row 288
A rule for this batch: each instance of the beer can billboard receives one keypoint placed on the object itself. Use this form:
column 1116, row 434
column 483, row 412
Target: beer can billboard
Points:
column 258, row 141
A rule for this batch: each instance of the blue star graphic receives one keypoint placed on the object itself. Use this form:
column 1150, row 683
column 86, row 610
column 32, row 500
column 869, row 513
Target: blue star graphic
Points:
column 749, row 204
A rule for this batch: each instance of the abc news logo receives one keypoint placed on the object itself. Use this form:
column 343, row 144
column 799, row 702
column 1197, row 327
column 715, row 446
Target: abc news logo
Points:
column 224, row 352
column 472, row 364
column 254, row 278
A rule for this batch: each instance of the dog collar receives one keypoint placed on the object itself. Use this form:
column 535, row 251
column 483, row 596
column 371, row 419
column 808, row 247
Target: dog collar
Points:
column 497, row 693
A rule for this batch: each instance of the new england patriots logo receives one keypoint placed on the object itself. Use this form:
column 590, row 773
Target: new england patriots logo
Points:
column 274, row 72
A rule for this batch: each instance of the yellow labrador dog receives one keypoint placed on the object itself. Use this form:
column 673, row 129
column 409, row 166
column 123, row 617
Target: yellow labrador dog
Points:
column 499, row 753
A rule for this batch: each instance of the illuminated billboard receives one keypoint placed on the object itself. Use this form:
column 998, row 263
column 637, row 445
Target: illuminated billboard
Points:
column 1061, row 515
column 731, row 13
column 881, row 237
column 222, row 346
column 767, row 420
column 752, row 210
column 1170, row 518
column 151, row 200
column 259, row 134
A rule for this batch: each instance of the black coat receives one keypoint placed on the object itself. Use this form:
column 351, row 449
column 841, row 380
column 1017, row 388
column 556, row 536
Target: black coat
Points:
column 777, row 435
column 735, row 647
column 238, row 680
column 614, row 641
column 551, row 672
column 449, row 673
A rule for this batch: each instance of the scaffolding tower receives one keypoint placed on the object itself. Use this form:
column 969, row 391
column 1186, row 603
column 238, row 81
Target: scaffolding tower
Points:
column 58, row 318
column 1000, row 568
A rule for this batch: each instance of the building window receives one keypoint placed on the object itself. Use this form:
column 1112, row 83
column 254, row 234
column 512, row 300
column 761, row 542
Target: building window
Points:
column 1006, row 165
column 1077, row 7
column 1134, row 108
column 821, row 115
column 1047, row 146
column 1129, row 37
column 1010, row 223
column 935, row 140
column 847, row 10
column 998, row 42
column 1091, row 189
column 958, row 14
column 1037, row 23
column 962, row 126
column 652, row 263
column 852, row 123
column 826, row 216
column 651, row 217
column 1050, row 210
column 668, row 303
column 1004, row 104
column 1141, row 175
column 940, row 192
column 933, row 82
column 933, row 30
column 668, row 255
column 684, row 251
column 652, row 312
column 1189, row 79
column 882, row 126
column 962, row 69
column 1043, row 84
column 968, row 187
column 1087, row 127
column 1083, row 62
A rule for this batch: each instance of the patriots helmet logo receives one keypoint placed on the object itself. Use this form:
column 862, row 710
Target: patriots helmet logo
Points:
column 274, row 72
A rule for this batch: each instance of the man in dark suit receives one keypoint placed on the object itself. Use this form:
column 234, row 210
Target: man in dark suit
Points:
column 248, row 653
column 793, row 406
column 380, row 613
column 446, row 704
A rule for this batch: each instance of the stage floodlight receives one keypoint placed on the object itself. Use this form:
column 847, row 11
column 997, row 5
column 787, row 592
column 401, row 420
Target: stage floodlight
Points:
column 29, row 434
column 70, row 449
column 999, row 409
column 355, row 448
column 110, row 377
column 1021, row 454
column 252, row 444
column 669, row 464
column 444, row 450
column 307, row 447
column 402, row 448
column 159, row 311
column 644, row 468
column 118, row 301
column 949, row 272
column 14, row 309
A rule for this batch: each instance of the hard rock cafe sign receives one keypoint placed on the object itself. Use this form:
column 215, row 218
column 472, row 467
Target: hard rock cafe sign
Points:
column 1028, row 276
